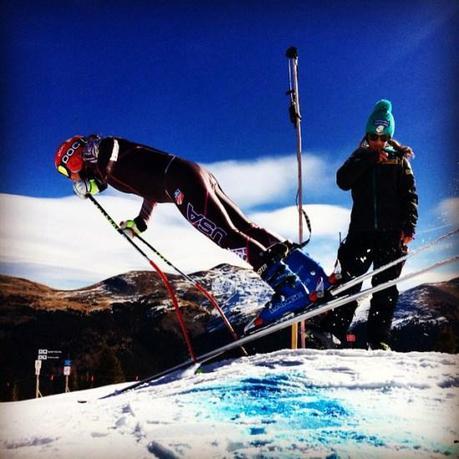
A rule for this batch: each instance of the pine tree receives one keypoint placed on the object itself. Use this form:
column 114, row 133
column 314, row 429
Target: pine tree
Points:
column 109, row 369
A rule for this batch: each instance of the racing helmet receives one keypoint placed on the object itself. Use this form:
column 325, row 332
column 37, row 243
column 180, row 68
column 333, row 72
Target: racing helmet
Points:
column 69, row 157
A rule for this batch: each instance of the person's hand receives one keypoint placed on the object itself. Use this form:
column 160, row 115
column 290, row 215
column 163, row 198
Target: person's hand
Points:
column 129, row 228
column 382, row 156
column 81, row 188
column 84, row 187
column 406, row 238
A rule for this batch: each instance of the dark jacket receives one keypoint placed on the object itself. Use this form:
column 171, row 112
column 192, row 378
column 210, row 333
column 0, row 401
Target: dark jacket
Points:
column 384, row 194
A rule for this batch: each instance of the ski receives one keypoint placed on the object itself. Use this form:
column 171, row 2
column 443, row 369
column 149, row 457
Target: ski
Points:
column 356, row 280
column 196, row 364
column 282, row 323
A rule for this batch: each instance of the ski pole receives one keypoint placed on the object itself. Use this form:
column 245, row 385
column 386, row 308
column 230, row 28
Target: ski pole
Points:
column 163, row 277
column 207, row 294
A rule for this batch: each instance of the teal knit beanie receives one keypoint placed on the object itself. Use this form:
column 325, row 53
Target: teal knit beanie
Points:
column 381, row 121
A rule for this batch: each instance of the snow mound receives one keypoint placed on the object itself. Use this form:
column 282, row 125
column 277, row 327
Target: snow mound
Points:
column 305, row 403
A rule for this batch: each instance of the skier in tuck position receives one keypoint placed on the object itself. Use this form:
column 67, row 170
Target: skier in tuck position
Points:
column 383, row 222
column 94, row 162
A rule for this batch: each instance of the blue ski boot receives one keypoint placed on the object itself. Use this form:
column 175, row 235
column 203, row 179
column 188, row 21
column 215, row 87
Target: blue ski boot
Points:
column 290, row 295
column 310, row 273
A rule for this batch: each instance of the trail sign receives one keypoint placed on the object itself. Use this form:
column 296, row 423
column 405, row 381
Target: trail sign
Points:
column 49, row 354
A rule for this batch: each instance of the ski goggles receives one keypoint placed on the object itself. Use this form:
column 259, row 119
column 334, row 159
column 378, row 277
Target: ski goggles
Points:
column 375, row 137
column 69, row 171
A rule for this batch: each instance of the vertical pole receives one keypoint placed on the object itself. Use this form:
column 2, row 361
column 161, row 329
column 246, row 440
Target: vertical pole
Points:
column 295, row 117
column 67, row 372
column 37, row 378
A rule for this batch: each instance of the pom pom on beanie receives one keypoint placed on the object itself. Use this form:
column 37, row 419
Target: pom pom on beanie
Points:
column 381, row 120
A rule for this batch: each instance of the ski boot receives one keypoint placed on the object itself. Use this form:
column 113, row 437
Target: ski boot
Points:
column 290, row 295
column 311, row 274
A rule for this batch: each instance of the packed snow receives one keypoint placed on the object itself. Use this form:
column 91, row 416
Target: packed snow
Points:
column 305, row 403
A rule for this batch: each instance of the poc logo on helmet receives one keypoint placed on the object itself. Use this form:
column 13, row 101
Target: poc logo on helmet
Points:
column 73, row 148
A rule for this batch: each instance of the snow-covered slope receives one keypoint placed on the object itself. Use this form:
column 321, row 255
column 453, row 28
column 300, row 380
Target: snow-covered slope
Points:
column 307, row 403
column 240, row 293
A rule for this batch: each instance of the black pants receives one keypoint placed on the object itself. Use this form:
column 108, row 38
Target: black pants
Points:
column 356, row 254
column 201, row 200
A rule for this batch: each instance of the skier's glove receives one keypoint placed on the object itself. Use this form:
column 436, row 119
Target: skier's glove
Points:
column 84, row 187
column 133, row 228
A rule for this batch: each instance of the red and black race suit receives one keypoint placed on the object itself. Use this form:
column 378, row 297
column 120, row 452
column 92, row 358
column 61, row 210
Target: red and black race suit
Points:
column 160, row 177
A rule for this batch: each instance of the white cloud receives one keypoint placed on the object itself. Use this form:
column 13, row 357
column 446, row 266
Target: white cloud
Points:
column 68, row 237
column 326, row 221
column 66, row 242
column 448, row 210
column 268, row 180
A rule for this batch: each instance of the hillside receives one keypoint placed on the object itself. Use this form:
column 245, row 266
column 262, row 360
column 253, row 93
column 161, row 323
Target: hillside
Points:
column 125, row 327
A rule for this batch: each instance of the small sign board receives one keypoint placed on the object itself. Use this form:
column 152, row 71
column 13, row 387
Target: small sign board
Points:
column 67, row 363
column 37, row 367
column 54, row 354
column 67, row 371
column 49, row 354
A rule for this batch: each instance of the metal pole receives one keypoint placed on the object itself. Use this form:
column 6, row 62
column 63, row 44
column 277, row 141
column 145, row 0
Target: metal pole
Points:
column 37, row 378
column 295, row 117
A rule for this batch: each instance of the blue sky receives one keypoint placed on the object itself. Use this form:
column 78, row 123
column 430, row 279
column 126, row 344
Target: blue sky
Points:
column 207, row 80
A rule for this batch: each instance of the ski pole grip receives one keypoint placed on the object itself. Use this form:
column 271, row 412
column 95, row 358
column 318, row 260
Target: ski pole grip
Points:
column 292, row 53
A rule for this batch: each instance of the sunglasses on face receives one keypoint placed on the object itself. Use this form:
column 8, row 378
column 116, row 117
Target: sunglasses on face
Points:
column 374, row 137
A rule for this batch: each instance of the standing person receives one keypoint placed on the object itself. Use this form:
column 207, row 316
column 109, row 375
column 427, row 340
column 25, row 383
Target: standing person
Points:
column 383, row 222
column 94, row 162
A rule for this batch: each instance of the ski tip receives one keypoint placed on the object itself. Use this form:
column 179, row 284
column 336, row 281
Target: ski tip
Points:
column 334, row 278
column 257, row 322
column 314, row 297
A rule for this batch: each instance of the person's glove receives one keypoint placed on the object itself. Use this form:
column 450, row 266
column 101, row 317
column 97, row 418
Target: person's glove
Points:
column 84, row 187
column 132, row 228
